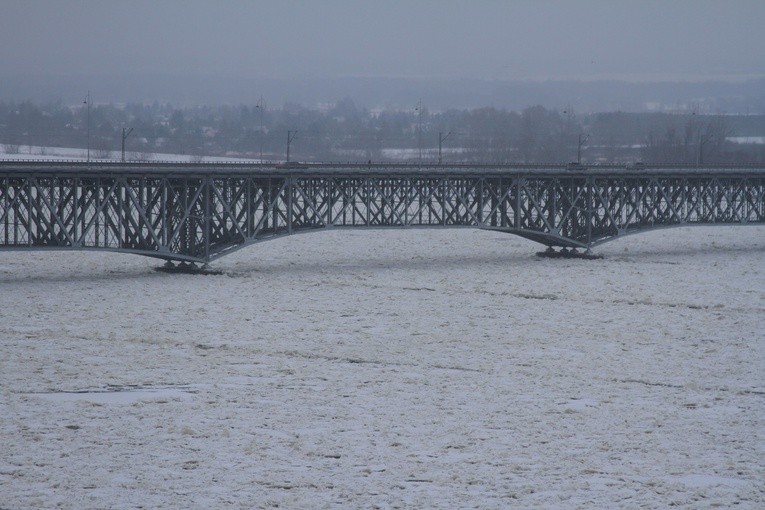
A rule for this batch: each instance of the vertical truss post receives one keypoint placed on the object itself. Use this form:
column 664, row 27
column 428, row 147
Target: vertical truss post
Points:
column 164, row 235
column 248, row 226
column 590, row 183
column 480, row 200
column 208, row 220
column 328, row 200
column 290, row 188
column 443, row 200
column 517, row 182
column 121, row 218
column 29, row 211
column 98, row 186
column 367, row 196
column 405, row 193
column 268, row 208
column 185, row 218
column 76, row 209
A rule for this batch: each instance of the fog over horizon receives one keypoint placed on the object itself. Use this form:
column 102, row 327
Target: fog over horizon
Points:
column 386, row 54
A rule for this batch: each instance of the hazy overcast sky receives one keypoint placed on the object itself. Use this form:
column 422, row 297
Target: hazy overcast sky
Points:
column 632, row 39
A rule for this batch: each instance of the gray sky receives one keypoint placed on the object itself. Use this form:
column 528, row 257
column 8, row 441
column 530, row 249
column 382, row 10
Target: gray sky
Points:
column 588, row 39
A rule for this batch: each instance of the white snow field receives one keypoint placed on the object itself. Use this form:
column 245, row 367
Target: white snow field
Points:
column 389, row 369
column 42, row 153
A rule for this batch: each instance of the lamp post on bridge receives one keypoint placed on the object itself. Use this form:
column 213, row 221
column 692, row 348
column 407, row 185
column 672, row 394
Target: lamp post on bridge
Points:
column 441, row 140
column 261, row 106
column 418, row 109
column 582, row 140
column 290, row 137
column 703, row 139
column 125, row 134
column 87, row 103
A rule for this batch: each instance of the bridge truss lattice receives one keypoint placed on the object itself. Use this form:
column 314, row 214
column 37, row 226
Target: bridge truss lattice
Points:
column 200, row 212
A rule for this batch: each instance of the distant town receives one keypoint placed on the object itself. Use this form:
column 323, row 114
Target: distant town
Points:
column 341, row 131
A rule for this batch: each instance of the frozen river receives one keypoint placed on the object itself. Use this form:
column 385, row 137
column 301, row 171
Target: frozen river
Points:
column 407, row 368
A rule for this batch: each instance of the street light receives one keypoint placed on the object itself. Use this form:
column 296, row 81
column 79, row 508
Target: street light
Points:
column 290, row 137
column 703, row 139
column 87, row 102
column 261, row 106
column 125, row 134
column 582, row 141
column 441, row 139
column 419, row 129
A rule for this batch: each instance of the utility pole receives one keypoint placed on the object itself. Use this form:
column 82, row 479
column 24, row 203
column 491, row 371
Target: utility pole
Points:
column 290, row 137
column 125, row 134
column 441, row 139
column 582, row 141
column 87, row 103
column 419, row 130
column 261, row 106
column 702, row 141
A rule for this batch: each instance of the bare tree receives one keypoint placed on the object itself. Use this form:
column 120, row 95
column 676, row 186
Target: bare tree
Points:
column 102, row 153
column 101, row 150
column 711, row 144
column 143, row 156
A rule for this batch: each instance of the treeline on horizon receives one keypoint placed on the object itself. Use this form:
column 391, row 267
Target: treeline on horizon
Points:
column 343, row 132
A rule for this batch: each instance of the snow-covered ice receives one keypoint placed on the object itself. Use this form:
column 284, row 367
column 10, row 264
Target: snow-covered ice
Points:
column 42, row 153
column 402, row 368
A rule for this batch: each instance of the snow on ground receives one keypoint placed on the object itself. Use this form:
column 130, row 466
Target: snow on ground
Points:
column 759, row 140
column 38, row 153
column 402, row 368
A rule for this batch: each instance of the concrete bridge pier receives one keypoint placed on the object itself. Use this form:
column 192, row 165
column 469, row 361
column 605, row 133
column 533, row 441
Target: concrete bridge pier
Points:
column 185, row 267
column 568, row 253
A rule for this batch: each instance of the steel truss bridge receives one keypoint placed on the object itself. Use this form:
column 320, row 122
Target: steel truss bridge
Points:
column 199, row 212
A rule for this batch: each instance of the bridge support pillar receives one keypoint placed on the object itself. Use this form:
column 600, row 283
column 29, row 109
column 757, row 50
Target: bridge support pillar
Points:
column 568, row 253
column 186, row 268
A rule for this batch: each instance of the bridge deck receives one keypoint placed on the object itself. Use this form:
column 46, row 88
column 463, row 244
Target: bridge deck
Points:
column 186, row 168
